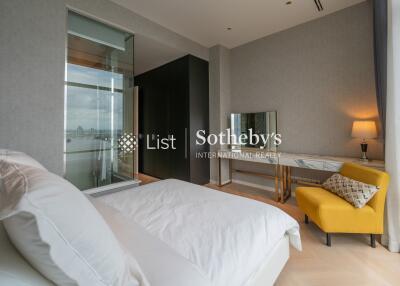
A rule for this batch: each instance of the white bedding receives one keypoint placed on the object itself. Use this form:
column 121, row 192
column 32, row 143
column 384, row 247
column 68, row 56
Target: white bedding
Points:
column 161, row 265
column 225, row 238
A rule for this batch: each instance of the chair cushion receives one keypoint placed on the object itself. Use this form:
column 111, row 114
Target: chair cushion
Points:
column 333, row 214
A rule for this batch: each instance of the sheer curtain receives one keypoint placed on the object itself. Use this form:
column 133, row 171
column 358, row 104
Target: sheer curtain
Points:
column 391, row 238
column 380, row 56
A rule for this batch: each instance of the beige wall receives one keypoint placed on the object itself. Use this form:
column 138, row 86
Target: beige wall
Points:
column 319, row 76
column 32, row 59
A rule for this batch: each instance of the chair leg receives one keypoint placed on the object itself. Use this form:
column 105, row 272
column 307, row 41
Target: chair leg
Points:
column 306, row 219
column 373, row 244
column 328, row 239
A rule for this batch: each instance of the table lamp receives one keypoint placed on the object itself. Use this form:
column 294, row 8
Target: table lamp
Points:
column 364, row 130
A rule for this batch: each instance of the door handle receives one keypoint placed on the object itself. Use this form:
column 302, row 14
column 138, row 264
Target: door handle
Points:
column 186, row 143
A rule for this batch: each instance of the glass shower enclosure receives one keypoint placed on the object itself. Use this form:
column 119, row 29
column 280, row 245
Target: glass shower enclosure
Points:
column 99, row 106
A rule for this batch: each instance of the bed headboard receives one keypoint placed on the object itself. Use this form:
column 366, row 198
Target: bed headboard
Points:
column 14, row 269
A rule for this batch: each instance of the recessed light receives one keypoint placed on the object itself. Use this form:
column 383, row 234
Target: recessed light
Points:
column 288, row 2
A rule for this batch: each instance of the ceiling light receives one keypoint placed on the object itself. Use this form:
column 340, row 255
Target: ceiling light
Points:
column 288, row 2
column 229, row 28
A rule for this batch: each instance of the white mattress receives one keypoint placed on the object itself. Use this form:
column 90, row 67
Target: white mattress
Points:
column 210, row 238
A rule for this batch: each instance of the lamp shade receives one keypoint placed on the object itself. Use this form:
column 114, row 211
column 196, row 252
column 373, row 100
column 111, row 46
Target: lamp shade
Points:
column 364, row 129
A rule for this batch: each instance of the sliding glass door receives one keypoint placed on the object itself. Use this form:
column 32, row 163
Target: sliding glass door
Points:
column 99, row 104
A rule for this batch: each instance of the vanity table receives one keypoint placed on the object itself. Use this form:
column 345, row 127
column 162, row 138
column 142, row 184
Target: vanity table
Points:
column 283, row 164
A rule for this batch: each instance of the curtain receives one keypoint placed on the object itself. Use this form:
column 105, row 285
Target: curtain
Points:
column 380, row 56
column 391, row 238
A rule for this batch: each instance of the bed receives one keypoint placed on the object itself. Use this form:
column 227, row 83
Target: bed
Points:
column 183, row 234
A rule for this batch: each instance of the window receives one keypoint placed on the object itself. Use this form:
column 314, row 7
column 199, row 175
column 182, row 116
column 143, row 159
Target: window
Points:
column 99, row 104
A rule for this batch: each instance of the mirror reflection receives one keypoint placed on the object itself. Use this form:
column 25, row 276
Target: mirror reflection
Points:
column 261, row 123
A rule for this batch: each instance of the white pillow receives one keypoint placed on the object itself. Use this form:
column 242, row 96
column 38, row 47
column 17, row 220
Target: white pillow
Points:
column 14, row 269
column 58, row 230
column 20, row 158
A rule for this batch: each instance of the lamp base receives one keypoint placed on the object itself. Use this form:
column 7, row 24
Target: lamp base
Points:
column 364, row 148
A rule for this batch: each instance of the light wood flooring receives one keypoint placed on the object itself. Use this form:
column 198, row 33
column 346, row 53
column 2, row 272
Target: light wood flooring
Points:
column 349, row 262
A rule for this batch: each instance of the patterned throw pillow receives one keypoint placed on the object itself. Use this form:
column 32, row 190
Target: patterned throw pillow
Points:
column 355, row 192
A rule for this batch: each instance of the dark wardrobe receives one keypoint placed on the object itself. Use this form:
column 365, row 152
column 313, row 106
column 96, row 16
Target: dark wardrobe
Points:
column 173, row 100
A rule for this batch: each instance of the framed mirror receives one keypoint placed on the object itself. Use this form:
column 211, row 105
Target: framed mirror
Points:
column 260, row 123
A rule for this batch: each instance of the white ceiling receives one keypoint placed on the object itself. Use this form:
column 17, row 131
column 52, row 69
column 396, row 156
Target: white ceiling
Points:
column 149, row 54
column 206, row 21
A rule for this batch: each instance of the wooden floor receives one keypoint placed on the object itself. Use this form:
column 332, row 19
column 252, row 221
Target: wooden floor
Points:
column 349, row 262
column 145, row 179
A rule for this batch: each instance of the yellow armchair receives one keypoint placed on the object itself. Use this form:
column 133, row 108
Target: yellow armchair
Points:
column 335, row 215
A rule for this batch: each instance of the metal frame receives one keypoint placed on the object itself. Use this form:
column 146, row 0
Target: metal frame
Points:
column 282, row 178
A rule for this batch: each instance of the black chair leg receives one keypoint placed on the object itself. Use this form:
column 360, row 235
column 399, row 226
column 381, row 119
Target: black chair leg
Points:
column 306, row 219
column 328, row 239
column 373, row 244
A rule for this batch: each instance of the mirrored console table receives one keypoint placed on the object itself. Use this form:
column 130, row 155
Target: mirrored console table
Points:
column 283, row 163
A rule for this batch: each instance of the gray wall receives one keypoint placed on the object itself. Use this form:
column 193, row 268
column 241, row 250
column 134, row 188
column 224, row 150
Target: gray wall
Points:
column 319, row 76
column 32, row 56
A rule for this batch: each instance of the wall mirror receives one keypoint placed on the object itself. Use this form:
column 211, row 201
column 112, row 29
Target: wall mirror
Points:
column 260, row 123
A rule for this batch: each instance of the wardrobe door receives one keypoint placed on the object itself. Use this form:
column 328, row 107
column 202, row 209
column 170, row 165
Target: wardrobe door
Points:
column 153, row 112
column 199, row 119
column 147, row 125
column 161, row 109
column 146, row 159
column 174, row 102
column 179, row 119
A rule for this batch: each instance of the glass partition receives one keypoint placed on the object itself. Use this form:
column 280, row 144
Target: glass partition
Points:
column 99, row 104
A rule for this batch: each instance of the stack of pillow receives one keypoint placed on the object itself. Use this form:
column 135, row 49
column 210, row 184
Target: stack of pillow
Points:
column 57, row 230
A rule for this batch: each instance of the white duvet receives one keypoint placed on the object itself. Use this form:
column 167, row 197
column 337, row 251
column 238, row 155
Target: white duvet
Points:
column 225, row 237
